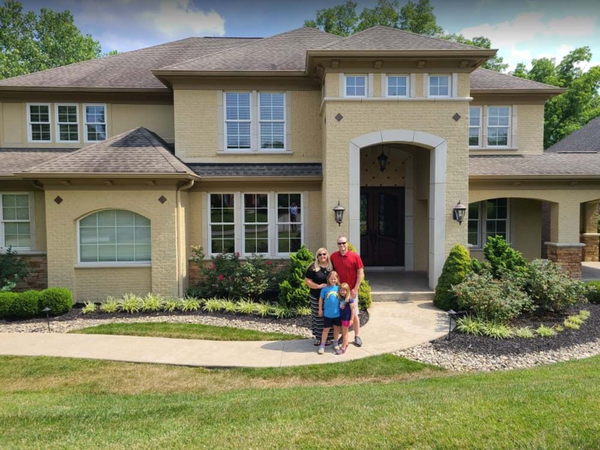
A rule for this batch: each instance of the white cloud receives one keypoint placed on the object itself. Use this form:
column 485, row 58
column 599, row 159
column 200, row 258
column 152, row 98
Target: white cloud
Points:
column 571, row 26
column 180, row 18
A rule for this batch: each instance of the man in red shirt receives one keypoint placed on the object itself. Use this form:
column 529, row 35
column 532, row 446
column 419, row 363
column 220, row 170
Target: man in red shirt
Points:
column 350, row 269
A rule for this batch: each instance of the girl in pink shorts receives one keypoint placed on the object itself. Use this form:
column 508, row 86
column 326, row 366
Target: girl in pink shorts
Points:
column 347, row 306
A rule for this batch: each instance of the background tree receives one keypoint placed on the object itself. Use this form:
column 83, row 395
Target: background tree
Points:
column 30, row 43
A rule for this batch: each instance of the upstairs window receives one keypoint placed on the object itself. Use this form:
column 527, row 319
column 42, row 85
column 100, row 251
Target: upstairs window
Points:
column 95, row 123
column 439, row 86
column 475, row 126
column 272, row 120
column 238, row 120
column 67, row 123
column 38, row 118
column 15, row 223
column 397, row 86
column 356, row 86
column 498, row 126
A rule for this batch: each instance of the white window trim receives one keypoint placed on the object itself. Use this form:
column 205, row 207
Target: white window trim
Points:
column 250, row 121
column 407, row 76
column 449, row 76
column 91, row 264
column 479, row 223
column 269, row 222
column 365, row 76
column 209, row 222
column 482, row 233
column 86, row 123
column 487, row 127
column 31, row 221
column 276, row 223
column 480, row 127
column 58, row 124
column 29, row 123
column 267, row 149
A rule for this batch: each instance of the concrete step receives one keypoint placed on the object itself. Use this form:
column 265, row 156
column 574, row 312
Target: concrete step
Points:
column 401, row 296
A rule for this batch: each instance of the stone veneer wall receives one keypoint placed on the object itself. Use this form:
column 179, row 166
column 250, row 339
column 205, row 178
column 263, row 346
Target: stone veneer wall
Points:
column 590, row 251
column 38, row 275
column 568, row 258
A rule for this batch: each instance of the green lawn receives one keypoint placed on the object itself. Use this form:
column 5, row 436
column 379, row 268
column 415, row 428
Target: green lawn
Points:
column 185, row 331
column 50, row 403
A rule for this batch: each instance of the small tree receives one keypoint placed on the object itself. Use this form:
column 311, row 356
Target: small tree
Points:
column 12, row 269
column 293, row 292
column 455, row 271
column 502, row 257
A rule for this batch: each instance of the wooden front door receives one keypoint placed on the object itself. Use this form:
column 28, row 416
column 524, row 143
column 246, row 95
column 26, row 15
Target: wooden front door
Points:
column 382, row 226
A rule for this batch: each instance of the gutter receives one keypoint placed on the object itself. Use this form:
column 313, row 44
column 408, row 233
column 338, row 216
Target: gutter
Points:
column 96, row 175
column 181, row 253
column 535, row 177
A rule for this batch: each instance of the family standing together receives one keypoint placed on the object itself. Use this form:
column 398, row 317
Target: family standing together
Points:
column 334, row 282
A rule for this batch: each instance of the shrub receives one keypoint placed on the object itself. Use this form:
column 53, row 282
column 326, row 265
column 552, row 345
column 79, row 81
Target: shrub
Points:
column 110, row 306
column 131, row 303
column 280, row 312
column 230, row 307
column 24, row 305
column 575, row 319
column 550, row 288
column 6, row 300
column 524, row 332
column 470, row 325
column 59, row 300
column 293, row 292
column 502, row 257
column 491, row 300
column 544, row 331
column 584, row 314
column 263, row 309
column 364, row 290
column 245, row 307
column 171, row 304
column 89, row 308
column 559, row 328
column 304, row 311
column 213, row 305
column 571, row 325
column 12, row 269
column 152, row 303
column 190, row 304
column 593, row 293
column 456, row 268
column 497, row 330
column 479, row 267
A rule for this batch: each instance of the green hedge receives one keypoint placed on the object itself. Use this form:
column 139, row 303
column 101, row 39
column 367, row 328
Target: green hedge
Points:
column 29, row 304
column 593, row 294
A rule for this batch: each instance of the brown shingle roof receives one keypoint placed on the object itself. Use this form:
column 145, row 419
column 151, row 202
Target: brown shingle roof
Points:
column 130, row 70
column 386, row 38
column 547, row 165
column 586, row 139
column 138, row 151
column 13, row 160
column 282, row 52
column 485, row 79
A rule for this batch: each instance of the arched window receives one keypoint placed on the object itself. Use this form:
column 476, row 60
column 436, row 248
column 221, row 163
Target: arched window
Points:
column 113, row 236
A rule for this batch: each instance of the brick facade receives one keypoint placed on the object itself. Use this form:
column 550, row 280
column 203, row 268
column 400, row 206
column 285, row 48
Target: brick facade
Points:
column 567, row 257
column 590, row 251
column 38, row 275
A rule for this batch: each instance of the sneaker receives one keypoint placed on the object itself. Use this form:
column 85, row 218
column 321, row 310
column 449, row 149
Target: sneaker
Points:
column 317, row 342
column 321, row 350
column 358, row 341
column 341, row 351
column 336, row 347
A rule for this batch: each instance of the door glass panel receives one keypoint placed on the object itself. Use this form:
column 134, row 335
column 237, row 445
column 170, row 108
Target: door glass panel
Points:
column 364, row 213
column 388, row 215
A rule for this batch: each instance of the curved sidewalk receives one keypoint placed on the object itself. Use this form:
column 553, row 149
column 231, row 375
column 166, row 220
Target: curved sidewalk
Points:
column 392, row 326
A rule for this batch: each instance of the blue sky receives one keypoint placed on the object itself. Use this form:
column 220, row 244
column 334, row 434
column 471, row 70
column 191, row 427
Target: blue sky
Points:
column 521, row 29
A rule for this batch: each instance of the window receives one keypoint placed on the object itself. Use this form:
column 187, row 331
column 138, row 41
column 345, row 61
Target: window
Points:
column 397, row 86
column 237, row 120
column 38, row 118
column 289, row 222
column 439, row 86
column 67, row 123
column 114, row 236
column 15, row 224
column 474, row 218
column 498, row 126
column 222, row 223
column 475, row 126
column 356, row 85
column 95, row 123
column 496, row 218
column 256, row 223
column 272, row 120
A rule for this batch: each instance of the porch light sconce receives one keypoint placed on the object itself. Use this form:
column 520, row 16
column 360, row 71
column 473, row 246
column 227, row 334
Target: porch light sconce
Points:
column 458, row 213
column 339, row 213
column 383, row 160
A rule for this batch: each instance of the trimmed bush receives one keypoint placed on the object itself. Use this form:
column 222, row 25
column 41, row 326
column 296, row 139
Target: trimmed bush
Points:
column 25, row 306
column 593, row 293
column 293, row 292
column 502, row 257
column 455, row 271
column 12, row 269
column 59, row 300
column 6, row 301
column 364, row 290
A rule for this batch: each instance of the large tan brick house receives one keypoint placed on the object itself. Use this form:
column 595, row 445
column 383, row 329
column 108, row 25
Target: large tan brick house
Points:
column 112, row 169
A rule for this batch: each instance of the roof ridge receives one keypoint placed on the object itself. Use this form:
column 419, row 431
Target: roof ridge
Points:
column 144, row 131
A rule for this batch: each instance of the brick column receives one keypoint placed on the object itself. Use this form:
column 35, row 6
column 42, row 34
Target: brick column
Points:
column 590, row 251
column 568, row 256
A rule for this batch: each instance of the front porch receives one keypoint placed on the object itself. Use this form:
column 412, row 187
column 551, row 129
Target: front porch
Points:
column 398, row 285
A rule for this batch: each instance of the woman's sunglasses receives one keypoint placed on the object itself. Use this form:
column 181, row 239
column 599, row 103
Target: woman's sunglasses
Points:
column 322, row 254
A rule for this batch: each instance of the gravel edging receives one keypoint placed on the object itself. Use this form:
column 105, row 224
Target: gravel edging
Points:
column 479, row 353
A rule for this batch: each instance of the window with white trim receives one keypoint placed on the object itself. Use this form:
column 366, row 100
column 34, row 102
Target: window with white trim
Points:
column 272, row 120
column 475, row 126
column 94, row 122
column 289, row 222
column 489, row 218
column 255, row 224
column 474, row 231
column 397, row 86
column 221, row 225
column 238, row 120
column 114, row 236
column 38, row 118
column 67, row 123
column 439, row 85
column 15, row 221
column 356, row 85
column 498, row 126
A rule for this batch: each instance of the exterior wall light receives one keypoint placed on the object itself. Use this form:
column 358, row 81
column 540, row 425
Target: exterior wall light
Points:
column 339, row 213
column 383, row 161
column 458, row 212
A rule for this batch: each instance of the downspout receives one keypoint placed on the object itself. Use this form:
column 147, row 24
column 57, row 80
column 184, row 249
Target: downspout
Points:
column 181, row 253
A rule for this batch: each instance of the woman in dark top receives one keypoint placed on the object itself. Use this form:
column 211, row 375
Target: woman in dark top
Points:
column 316, row 279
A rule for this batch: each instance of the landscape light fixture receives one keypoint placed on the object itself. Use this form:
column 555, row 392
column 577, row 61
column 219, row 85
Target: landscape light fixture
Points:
column 47, row 311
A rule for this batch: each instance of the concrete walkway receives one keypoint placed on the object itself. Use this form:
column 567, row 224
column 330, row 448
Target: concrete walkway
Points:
column 392, row 326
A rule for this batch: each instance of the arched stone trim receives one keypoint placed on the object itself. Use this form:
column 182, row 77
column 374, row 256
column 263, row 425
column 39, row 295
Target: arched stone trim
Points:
column 437, row 188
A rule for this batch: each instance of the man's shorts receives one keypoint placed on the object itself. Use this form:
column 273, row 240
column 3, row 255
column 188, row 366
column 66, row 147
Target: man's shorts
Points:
column 328, row 322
